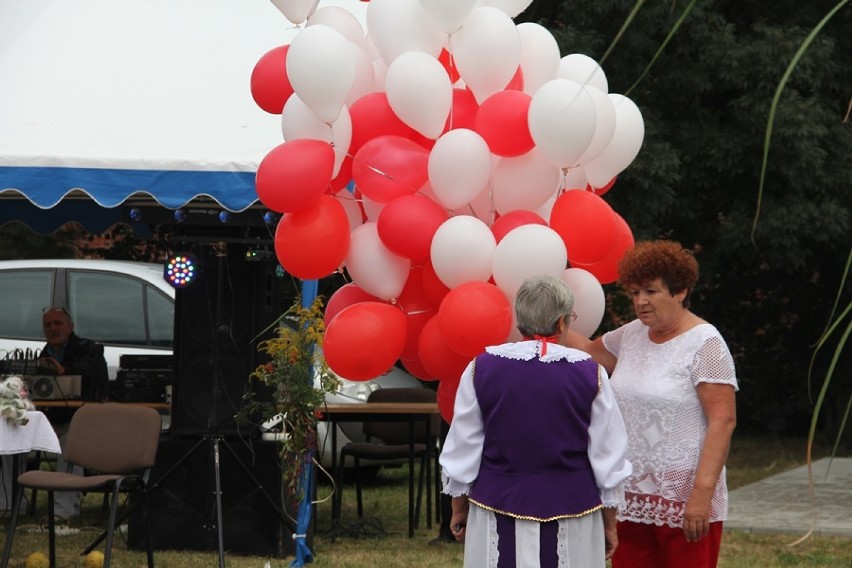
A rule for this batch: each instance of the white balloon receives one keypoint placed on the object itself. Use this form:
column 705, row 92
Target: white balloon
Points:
column 373, row 208
column 299, row 121
column 321, row 69
column 296, row 11
column 487, row 50
column 365, row 75
column 589, row 301
column 604, row 125
column 374, row 268
column 402, row 25
column 380, row 69
column 341, row 20
column 544, row 210
column 510, row 7
column 459, row 167
column 372, row 17
column 419, row 92
column 353, row 209
column 584, row 70
column 481, row 207
column 562, row 121
column 524, row 182
column 624, row 146
column 448, row 15
column 574, row 178
column 539, row 55
column 462, row 251
column 526, row 251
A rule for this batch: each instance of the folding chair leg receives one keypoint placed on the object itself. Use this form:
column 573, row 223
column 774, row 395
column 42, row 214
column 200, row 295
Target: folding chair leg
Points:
column 111, row 526
column 51, row 528
column 146, row 518
column 420, row 479
column 358, row 488
column 337, row 498
column 13, row 522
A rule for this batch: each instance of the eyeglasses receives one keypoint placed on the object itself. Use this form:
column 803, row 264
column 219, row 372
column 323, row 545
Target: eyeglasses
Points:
column 573, row 316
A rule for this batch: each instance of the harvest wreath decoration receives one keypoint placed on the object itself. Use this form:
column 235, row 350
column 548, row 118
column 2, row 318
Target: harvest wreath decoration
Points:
column 298, row 378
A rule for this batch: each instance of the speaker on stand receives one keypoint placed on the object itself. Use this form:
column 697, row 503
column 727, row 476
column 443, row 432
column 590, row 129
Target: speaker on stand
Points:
column 219, row 321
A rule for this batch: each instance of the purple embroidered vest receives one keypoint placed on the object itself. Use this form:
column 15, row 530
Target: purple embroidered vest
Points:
column 536, row 416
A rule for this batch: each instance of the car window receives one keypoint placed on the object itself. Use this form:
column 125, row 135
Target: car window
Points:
column 25, row 293
column 108, row 308
column 161, row 317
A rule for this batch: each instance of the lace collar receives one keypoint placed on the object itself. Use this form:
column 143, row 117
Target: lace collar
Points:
column 527, row 350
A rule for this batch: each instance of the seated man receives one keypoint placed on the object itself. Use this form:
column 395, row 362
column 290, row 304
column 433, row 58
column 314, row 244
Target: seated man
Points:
column 68, row 354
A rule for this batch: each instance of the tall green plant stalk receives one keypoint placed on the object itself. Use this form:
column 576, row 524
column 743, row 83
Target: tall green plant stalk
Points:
column 834, row 324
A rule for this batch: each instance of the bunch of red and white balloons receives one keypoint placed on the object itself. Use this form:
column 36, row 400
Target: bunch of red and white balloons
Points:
column 442, row 157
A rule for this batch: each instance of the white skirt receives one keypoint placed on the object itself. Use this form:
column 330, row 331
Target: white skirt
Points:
column 579, row 544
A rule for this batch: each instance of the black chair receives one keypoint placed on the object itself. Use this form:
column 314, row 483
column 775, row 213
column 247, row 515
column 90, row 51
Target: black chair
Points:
column 390, row 442
column 116, row 444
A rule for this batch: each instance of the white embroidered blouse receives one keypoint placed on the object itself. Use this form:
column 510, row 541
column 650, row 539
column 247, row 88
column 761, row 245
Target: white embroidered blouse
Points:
column 655, row 386
column 462, row 451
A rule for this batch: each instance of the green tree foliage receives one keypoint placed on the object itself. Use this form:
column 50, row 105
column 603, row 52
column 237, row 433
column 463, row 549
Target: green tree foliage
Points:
column 705, row 104
column 17, row 241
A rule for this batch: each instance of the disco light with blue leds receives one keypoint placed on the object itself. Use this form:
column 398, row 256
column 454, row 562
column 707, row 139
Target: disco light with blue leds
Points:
column 181, row 270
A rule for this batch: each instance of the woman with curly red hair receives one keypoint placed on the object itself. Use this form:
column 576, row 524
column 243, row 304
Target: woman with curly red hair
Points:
column 674, row 379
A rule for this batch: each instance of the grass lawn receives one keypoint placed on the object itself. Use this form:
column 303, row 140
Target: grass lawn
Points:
column 382, row 539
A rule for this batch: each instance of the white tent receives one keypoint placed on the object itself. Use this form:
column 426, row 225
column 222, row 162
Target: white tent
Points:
column 112, row 99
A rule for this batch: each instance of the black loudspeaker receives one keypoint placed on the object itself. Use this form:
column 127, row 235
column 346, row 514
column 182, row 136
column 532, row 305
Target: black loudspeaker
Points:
column 182, row 499
column 219, row 322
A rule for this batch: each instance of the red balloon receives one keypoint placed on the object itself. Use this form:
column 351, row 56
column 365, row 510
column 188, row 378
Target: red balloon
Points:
column 502, row 123
column 343, row 177
column 416, row 368
column 364, row 340
column 473, row 316
column 514, row 219
column 390, row 166
column 447, row 399
column 313, row 242
column 416, row 322
column 371, row 117
column 606, row 271
column 344, row 297
column 586, row 224
column 437, row 357
column 270, row 86
column 418, row 310
column 413, row 298
column 445, row 59
column 407, row 224
column 463, row 112
column 434, row 289
column 294, row 174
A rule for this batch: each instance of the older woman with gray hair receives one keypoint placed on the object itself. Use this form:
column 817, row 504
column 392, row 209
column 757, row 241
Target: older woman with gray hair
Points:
column 536, row 454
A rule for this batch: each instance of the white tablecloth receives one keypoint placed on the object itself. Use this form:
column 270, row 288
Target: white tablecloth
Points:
column 38, row 434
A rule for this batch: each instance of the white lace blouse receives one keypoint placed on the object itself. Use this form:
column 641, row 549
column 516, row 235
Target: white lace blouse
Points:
column 655, row 386
column 462, row 451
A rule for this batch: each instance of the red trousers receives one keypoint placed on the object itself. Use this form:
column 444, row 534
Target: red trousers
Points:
column 650, row 546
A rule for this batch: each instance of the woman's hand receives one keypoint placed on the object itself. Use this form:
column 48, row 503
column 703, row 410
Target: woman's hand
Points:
column 610, row 531
column 696, row 515
column 458, row 521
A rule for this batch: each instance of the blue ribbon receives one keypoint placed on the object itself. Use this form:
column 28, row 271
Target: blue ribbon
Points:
column 303, row 518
